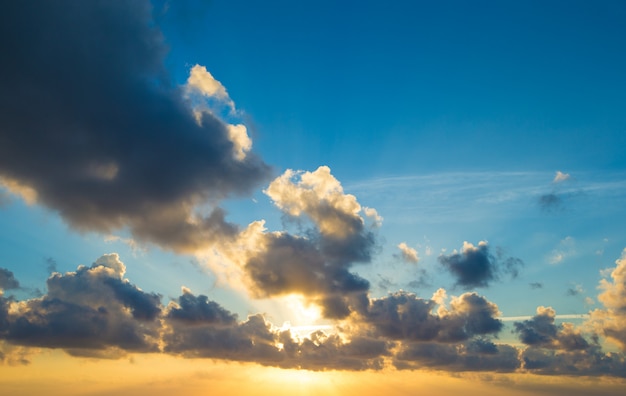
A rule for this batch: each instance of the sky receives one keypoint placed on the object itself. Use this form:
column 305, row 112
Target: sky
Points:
column 302, row 197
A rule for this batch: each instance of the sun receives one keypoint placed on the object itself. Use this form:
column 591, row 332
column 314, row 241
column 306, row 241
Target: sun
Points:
column 303, row 313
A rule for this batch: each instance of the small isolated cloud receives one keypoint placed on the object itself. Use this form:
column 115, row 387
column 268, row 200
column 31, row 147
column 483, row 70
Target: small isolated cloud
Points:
column 536, row 285
column 560, row 177
column 550, row 202
column 565, row 249
column 476, row 266
column 554, row 201
column 408, row 254
column 575, row 290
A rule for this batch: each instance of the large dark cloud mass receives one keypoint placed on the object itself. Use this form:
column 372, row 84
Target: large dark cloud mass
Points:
column 91, row 123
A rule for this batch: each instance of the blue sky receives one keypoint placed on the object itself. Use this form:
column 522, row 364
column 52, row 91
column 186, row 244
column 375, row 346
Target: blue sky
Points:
column 488, row 136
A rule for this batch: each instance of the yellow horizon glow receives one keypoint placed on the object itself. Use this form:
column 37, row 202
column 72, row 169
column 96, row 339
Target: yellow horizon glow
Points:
column 55, row 373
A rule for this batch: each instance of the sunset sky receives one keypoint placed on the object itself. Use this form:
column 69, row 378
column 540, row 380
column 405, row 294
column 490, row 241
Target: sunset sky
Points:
column 298, row 197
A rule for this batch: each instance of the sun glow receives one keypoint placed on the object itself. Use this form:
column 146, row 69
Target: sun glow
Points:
column 303, row 312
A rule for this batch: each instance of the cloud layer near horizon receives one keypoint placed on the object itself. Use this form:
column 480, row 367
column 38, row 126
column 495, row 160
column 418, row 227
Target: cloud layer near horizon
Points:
column 95, row 311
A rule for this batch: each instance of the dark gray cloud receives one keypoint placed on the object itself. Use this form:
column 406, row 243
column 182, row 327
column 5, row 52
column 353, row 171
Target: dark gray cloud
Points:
column 201, row 328
column 476, row 266
column 199, row 309
column 591, row 361
column 318, row 262
column 541, row 331
column 535, row 285
column 105, row 147
column 404, row 316
column 291, row 264
column 87, row 310
column 550, row 202
column 96, row 312
column 475, row 355
column 7, row 280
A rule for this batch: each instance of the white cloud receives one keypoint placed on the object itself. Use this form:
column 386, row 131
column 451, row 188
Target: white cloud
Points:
column 202, row 81
column 320, row 196
column 242, row 143
column 611, row 321
column 561, row 177
column 565, row 249
column 408, row 253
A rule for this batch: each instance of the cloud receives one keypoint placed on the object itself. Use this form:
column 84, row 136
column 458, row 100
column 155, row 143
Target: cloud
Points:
column 51, row 265
column 256, row 340
column 404, row 316
column 201, row 81
column 92, row 309
column 316, row 263
column 97, row 312
column 104, row 147
column 566, row 248
column 408, row 254
column 550, row 202
column 541, row 331
column 564, row 348
column 7, row 280
column 560, row 177
column 555, row 200
column 536, row 285
column 575, row 290
column 475, row 355
column 611, row 321
column 476, row 266
column 199, row 309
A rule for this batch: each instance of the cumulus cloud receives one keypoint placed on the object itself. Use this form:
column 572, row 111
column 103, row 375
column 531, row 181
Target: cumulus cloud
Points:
column 95, row 311
column 104, row 147
column 404, row 316
column 611, row 320
column 564, row 348
column 316, row 263
column 408, row 254
column 541, row 331
column 91, row 309
column 476, row 266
